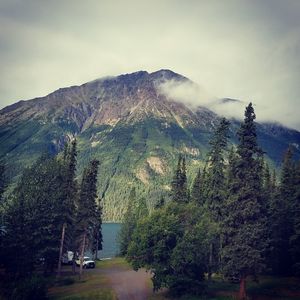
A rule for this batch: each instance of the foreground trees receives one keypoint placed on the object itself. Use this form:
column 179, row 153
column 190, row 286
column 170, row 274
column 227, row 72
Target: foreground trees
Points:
column 244, row 221
column 172, row 243
column 237, row 215
column 136, row 209
column 87, row 217
column 66, row 215
column 215, row 192
column 40, row 218
column 29, row 234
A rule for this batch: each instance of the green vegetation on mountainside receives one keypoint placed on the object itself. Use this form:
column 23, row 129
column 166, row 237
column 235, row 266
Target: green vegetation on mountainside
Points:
column 138, row 154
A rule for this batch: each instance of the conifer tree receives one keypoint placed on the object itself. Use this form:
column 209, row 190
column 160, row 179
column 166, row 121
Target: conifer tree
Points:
column 97, row 238
column 19, row 261
column 215, row 173
column 196, row 192
column 179, row 192
column 87, row 209
column 243, row 226
column 35, row 205
column 183, row 181
column 215, row 188
column 269, row 192
column 230, row 169
column 267, row 181
column 203, row 187
column 295, row 237
column 68, row 199
column 283, row 223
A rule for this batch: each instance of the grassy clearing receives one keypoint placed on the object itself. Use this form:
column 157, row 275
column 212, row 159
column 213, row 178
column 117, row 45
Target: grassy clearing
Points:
column 90, row 287
column 117, row 262
column 95, row 286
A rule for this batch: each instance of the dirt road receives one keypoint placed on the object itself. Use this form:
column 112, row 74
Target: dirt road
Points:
column 128, row 284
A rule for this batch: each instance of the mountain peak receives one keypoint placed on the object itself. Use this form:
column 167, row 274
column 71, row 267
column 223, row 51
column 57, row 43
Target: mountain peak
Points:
column 127, row 123
column 165, row 74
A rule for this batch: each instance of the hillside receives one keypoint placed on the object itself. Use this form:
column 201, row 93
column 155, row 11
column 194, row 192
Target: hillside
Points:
column 127, row 123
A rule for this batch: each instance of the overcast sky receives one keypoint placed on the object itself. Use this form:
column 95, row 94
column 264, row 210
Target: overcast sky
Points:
column 247, row 50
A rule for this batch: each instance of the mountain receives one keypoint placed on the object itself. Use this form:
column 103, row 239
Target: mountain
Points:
column 131, row 126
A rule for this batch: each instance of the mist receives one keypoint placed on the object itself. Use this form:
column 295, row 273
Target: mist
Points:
column 245, row 50
column 193, row 96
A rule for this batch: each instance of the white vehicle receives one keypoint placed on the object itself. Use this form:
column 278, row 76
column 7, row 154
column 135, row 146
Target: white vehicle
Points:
column 87, row 262
column 67, row 258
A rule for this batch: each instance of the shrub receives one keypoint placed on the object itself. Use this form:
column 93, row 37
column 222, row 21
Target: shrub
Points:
column 33, row 288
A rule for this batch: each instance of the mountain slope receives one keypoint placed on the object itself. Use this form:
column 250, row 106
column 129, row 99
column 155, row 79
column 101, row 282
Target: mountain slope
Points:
column 130, row 126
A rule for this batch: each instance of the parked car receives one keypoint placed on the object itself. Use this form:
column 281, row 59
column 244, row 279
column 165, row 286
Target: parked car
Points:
column 67, row 258
column 87, row 262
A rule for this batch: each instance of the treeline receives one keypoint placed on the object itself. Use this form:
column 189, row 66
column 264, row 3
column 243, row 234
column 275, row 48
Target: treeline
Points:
column 48, row 213
column 238, row 219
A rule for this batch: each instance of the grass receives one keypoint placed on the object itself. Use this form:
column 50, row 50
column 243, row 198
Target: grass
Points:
column 276, row 287
column 117, row 262
column 95, row 286
column 90, row 287
column 268, row 287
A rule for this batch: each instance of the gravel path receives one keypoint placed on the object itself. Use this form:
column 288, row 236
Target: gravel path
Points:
column 127, row 283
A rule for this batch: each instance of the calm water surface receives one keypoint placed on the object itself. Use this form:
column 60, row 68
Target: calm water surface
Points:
column 110, row 246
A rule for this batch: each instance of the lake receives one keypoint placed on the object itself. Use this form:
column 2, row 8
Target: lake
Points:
column 110, row 246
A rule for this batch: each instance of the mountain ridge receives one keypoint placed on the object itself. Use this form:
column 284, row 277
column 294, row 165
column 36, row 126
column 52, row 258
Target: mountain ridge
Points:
column 128, row 124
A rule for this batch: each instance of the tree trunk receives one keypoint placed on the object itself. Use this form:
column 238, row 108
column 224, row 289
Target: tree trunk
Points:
column 61, row 249
column 74, row 261
column 242, row 291
column 220, row 250
column 82, row 254
column 97, row 244
column 210, row 261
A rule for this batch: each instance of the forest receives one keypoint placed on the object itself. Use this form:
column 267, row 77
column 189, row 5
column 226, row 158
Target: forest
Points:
column 239, row 219
column 47, row 213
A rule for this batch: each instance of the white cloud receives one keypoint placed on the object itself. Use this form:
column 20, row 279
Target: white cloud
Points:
column 186, row 92
column 194, row 96
column 240, row 49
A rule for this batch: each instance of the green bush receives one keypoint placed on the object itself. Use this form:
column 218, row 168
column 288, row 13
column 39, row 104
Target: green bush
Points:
column 33, row 288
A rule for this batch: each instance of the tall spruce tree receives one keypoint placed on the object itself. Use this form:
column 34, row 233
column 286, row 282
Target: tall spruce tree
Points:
column 215, row 182
column 179, row 192
column 87, row 209
column 196, row 192
column 97, row 238
column 243, row 225
column 68, row 200
column 269, row 192
column 295, row 237
column 215, row 189
column 283, row 215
